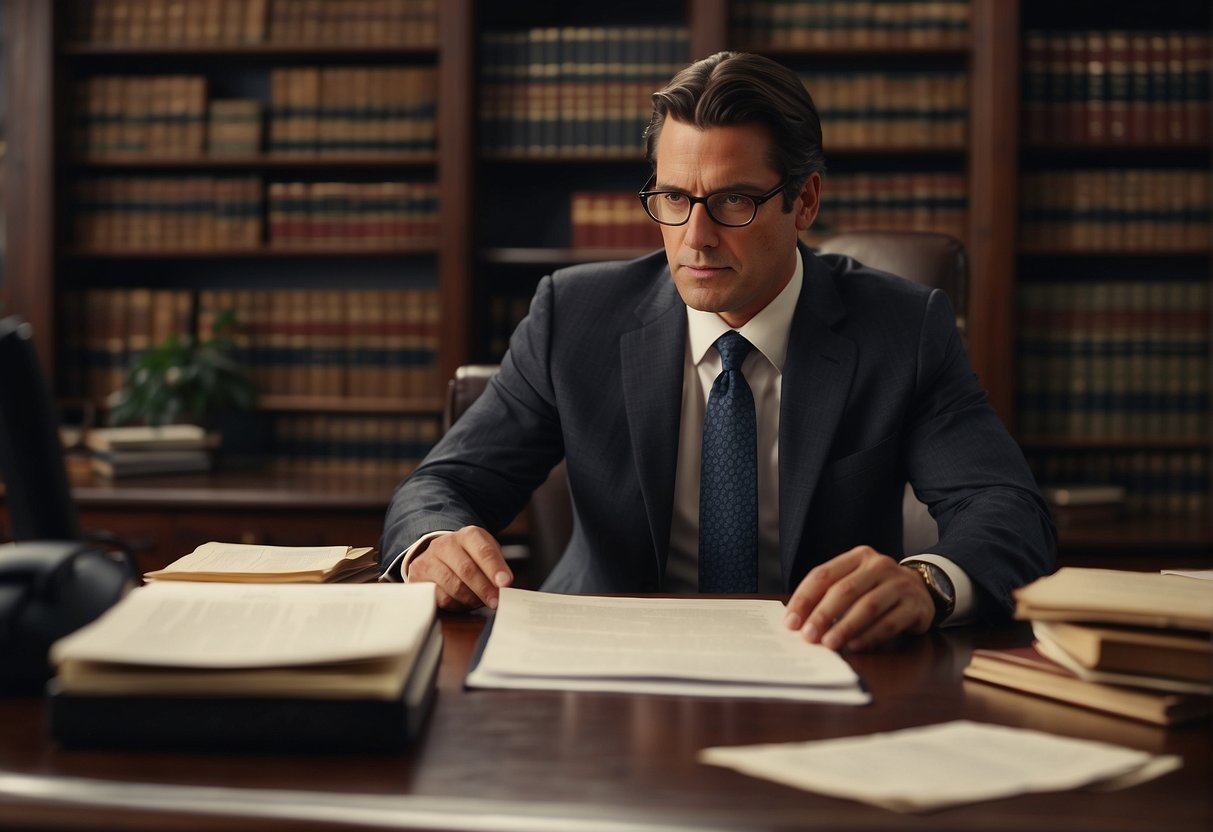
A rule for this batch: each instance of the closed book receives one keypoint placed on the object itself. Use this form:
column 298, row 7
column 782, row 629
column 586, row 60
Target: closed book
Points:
column 1133, row 650
column 253, row 724
column 1024, row 669
column 137, row 463
column 186, row 665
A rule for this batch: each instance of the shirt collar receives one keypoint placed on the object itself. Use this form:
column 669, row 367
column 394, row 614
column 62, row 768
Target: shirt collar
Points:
column 767, row 331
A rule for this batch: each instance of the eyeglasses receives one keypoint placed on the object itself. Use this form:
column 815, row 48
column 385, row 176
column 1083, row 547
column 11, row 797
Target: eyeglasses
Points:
column 729, row 209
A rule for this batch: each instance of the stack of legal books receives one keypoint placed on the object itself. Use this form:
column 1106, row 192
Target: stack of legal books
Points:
column 169, row 449
column 1134, row 644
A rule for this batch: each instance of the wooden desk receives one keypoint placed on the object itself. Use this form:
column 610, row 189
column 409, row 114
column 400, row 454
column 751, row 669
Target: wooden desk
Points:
column 541, row 759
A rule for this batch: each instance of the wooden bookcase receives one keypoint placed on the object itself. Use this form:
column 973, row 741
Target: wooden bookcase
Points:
column 504, row 220
column 1115, row 390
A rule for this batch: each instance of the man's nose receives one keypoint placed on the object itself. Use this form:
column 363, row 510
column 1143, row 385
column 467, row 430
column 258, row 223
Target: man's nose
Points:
column 701, row 229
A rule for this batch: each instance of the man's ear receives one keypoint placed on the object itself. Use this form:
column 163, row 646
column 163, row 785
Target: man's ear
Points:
column 808, row 202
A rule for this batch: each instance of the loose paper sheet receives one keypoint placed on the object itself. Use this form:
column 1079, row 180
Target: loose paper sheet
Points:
column 935, row 766
column 706, row 647
column 202, row 625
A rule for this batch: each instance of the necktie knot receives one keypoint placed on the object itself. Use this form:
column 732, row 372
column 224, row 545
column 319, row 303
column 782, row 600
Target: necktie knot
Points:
column 733, row 348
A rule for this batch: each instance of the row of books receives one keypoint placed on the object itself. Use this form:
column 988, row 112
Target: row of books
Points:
column 1133, row 644
column 105, row 330
column 1114, row 359
column 234, row 127
column 1116, row 208
column 343, row 444
column 409, row 23
column 892, row 109
column 354, row 213
column 605, row 220
column 168, row 21
column 1116, row 86
column 357, row 343
column 348, row 110
column 234, row 22
column 574, row 90
column 920, row 201
column 151, row 115
column 194, row 213
column 812, row 24
column 363, row 343
column 332, row 343
column 1156, row 483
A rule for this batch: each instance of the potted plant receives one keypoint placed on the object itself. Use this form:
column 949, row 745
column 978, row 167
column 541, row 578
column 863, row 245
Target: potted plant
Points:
column 185, row 380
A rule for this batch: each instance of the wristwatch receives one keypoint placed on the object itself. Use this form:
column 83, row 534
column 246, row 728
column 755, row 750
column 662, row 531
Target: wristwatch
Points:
column 939, row 585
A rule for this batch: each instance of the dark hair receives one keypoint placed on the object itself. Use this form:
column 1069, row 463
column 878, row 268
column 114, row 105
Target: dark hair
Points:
column 732, row 88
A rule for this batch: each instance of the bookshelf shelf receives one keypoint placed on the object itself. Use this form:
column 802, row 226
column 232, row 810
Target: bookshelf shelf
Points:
column 258, row 50
column 876, row 51
column 1147, row 443
column 350, row 404
column 1156, row 535
column 1042, row 251
column 559, row 256
column 260, row 162
column 563, row 158
column 287, row 252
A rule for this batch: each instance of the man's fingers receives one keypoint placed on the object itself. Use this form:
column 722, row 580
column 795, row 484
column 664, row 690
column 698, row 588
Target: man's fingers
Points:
column 467, row 566
column 486, row 551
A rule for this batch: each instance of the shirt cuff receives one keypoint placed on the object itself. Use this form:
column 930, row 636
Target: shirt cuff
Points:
column 397, row 571
column 966, row 599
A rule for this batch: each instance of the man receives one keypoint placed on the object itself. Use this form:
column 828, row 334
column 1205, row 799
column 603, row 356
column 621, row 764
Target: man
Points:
column 858, row 379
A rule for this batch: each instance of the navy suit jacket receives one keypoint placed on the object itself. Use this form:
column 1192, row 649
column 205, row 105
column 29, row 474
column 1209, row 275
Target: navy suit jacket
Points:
column 877, row 391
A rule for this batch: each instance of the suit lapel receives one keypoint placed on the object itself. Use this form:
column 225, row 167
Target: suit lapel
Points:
column 817, row 379
column 652, row 365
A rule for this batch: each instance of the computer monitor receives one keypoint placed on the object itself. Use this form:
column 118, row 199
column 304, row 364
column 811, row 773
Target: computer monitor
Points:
column 36, row 493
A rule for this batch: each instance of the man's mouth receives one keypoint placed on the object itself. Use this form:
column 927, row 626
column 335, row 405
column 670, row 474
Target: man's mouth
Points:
column 702, row 270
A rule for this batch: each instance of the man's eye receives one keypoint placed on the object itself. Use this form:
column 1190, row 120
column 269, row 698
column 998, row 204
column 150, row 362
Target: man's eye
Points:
column 732, row 199
column 675, row 198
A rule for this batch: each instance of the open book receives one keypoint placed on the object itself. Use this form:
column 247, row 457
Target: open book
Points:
column 202, row 664
column 251, row 563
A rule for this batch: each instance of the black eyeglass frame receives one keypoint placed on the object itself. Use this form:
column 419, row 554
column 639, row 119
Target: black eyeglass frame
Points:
column 758, row 200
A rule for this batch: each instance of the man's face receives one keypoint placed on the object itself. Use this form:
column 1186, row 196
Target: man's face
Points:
column 734, row 272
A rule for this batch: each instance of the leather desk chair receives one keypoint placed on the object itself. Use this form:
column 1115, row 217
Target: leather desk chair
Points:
column 935, row 260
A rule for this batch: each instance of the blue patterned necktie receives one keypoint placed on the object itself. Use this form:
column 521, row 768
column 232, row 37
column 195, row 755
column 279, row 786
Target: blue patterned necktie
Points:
column 728, row 483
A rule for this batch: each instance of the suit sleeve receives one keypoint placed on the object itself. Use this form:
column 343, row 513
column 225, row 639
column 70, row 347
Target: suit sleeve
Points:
column 482, row 472
column 965, row 466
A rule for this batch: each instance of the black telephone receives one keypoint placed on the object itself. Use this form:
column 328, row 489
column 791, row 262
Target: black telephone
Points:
column 47, row 590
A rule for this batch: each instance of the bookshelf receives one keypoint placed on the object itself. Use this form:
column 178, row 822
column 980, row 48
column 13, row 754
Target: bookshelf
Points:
column 929, row 122
column 1113, row 259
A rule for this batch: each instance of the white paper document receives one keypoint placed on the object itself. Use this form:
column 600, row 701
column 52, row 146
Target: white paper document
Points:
column 684, row 646
column 935, row 766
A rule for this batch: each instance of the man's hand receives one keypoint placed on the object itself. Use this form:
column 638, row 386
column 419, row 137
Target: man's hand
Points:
column 467, row 567
column 859, row 600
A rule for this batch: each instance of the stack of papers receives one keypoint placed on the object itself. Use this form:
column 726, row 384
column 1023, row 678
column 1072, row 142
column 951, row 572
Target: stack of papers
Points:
column 679, row 646
column 253, row 564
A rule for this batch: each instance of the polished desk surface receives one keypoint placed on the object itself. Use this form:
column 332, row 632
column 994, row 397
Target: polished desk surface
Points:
column 527, row 760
